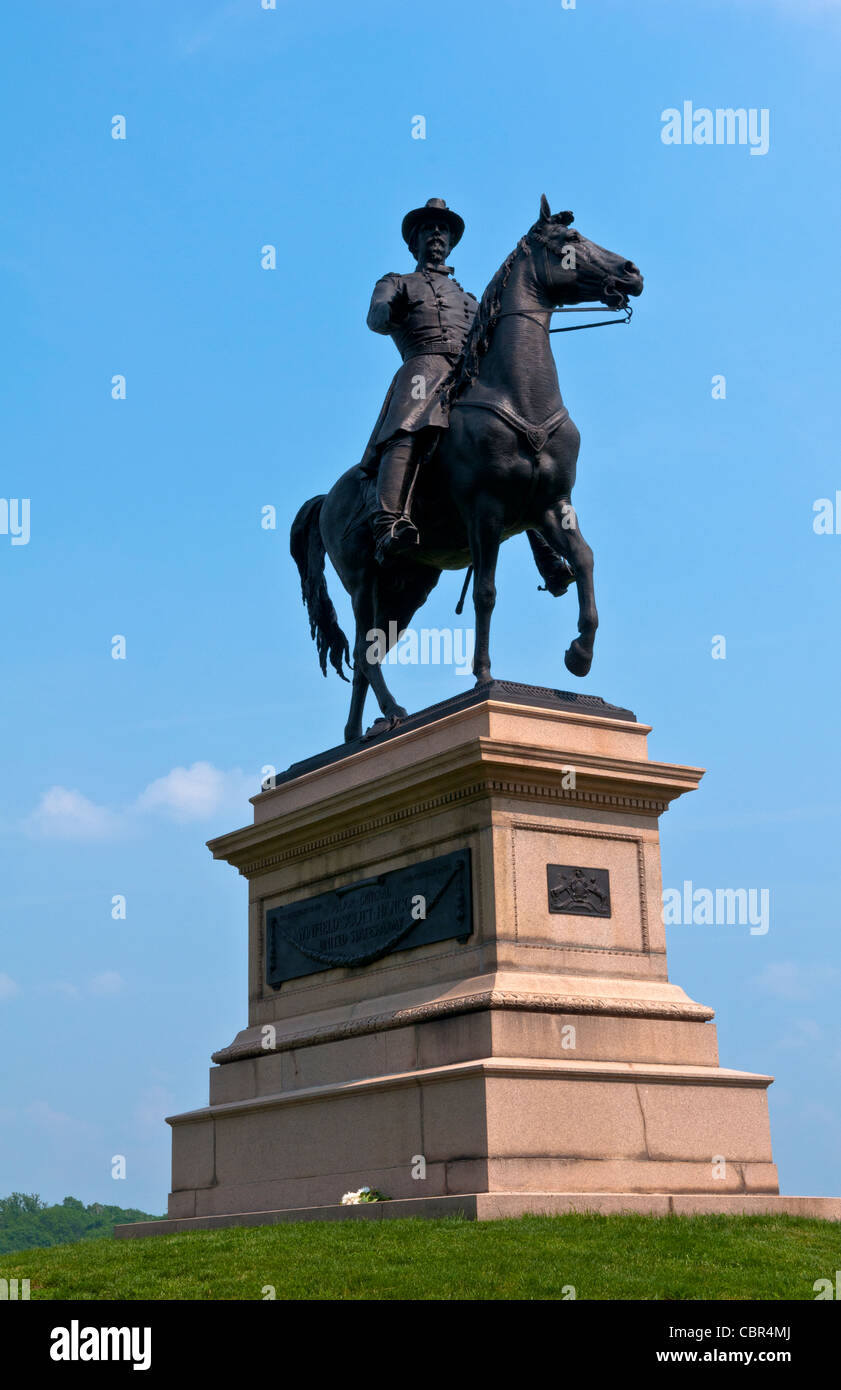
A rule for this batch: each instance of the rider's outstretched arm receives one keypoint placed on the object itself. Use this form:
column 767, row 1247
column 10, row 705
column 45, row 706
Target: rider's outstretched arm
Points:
column 389, row 292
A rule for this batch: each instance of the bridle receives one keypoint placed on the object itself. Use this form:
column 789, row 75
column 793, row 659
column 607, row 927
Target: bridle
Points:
column 626, row 311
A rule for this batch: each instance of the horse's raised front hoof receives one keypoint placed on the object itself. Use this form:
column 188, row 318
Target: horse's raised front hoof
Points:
column 577, row 659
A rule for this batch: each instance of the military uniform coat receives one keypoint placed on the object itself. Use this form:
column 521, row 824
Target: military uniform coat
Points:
column 429, row 335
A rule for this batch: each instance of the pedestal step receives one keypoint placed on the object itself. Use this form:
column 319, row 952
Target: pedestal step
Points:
column 492, row 1125
column 483, row 1206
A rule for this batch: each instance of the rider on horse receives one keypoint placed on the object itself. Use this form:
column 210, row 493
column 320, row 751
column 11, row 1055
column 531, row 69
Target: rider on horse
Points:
column 429, row 316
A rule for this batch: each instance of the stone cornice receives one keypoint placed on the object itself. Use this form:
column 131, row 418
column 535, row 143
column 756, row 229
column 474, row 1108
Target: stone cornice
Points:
column 422, row 772
column 253, row 849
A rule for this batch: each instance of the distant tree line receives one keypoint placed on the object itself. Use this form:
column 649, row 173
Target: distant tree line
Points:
column 27, row 1222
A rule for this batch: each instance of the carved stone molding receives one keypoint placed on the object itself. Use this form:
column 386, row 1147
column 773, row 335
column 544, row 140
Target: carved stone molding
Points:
column 488, row 787
column 472, row 1003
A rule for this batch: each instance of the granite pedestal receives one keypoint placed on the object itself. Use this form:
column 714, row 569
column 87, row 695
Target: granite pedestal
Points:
column 537, row 1058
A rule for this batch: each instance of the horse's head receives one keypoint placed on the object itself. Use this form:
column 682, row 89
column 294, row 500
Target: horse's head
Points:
column 575, row 270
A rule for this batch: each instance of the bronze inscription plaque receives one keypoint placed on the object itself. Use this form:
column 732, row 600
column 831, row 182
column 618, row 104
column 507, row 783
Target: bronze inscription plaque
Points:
column 359, row 923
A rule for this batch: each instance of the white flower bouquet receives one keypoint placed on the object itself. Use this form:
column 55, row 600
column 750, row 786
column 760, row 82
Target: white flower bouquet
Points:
column 365, row 1194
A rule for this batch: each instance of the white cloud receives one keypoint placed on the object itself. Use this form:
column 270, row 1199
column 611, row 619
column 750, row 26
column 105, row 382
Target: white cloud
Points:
column 62, row 814
column 8, row 987
column 107, row 984
column 63, row 987
column 185, row 794
column 788, row 980
column 104, row 985
column 196, row 792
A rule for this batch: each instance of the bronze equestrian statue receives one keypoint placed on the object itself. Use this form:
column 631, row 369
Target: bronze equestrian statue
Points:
column 499, row 458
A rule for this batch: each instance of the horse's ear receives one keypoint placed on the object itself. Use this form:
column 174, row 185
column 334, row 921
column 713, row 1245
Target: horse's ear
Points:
column 545, row 210
column 566, row 218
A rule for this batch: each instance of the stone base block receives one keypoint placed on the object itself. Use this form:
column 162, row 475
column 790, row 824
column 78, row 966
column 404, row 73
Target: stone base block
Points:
column 494, row 1125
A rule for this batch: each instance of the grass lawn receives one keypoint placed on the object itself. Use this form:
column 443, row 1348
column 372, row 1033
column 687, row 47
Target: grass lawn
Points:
column 602, row 1257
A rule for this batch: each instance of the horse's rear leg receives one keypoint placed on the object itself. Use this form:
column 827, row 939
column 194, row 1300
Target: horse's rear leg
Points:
column 368, row 652
column 560, row 529
column 353, row 727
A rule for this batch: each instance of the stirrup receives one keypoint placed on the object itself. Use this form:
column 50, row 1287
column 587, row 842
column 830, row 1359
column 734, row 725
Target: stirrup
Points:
column 402, row 537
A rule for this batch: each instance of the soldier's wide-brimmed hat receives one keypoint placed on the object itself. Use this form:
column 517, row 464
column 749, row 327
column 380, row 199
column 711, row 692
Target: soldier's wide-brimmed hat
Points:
column 435, row 208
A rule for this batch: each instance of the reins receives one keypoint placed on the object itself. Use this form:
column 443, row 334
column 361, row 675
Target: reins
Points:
column 627, row 312
column 627, row 315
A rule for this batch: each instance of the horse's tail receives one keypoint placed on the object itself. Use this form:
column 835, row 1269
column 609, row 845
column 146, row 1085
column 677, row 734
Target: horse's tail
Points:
column 308, row 552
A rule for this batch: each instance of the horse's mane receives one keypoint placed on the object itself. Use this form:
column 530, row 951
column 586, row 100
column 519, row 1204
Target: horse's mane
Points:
column 481, row 332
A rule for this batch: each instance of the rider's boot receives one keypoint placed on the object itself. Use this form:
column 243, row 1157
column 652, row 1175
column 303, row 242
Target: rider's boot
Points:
column 553, row 567
column 393, row 530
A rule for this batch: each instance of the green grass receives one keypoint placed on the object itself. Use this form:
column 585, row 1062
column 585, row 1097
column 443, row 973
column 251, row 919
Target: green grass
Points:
column 603, row 1257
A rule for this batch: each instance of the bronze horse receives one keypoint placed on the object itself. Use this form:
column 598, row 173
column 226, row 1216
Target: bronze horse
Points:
column 505, row 465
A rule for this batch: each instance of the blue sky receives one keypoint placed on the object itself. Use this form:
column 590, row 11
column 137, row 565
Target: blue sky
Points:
column 247, row 388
